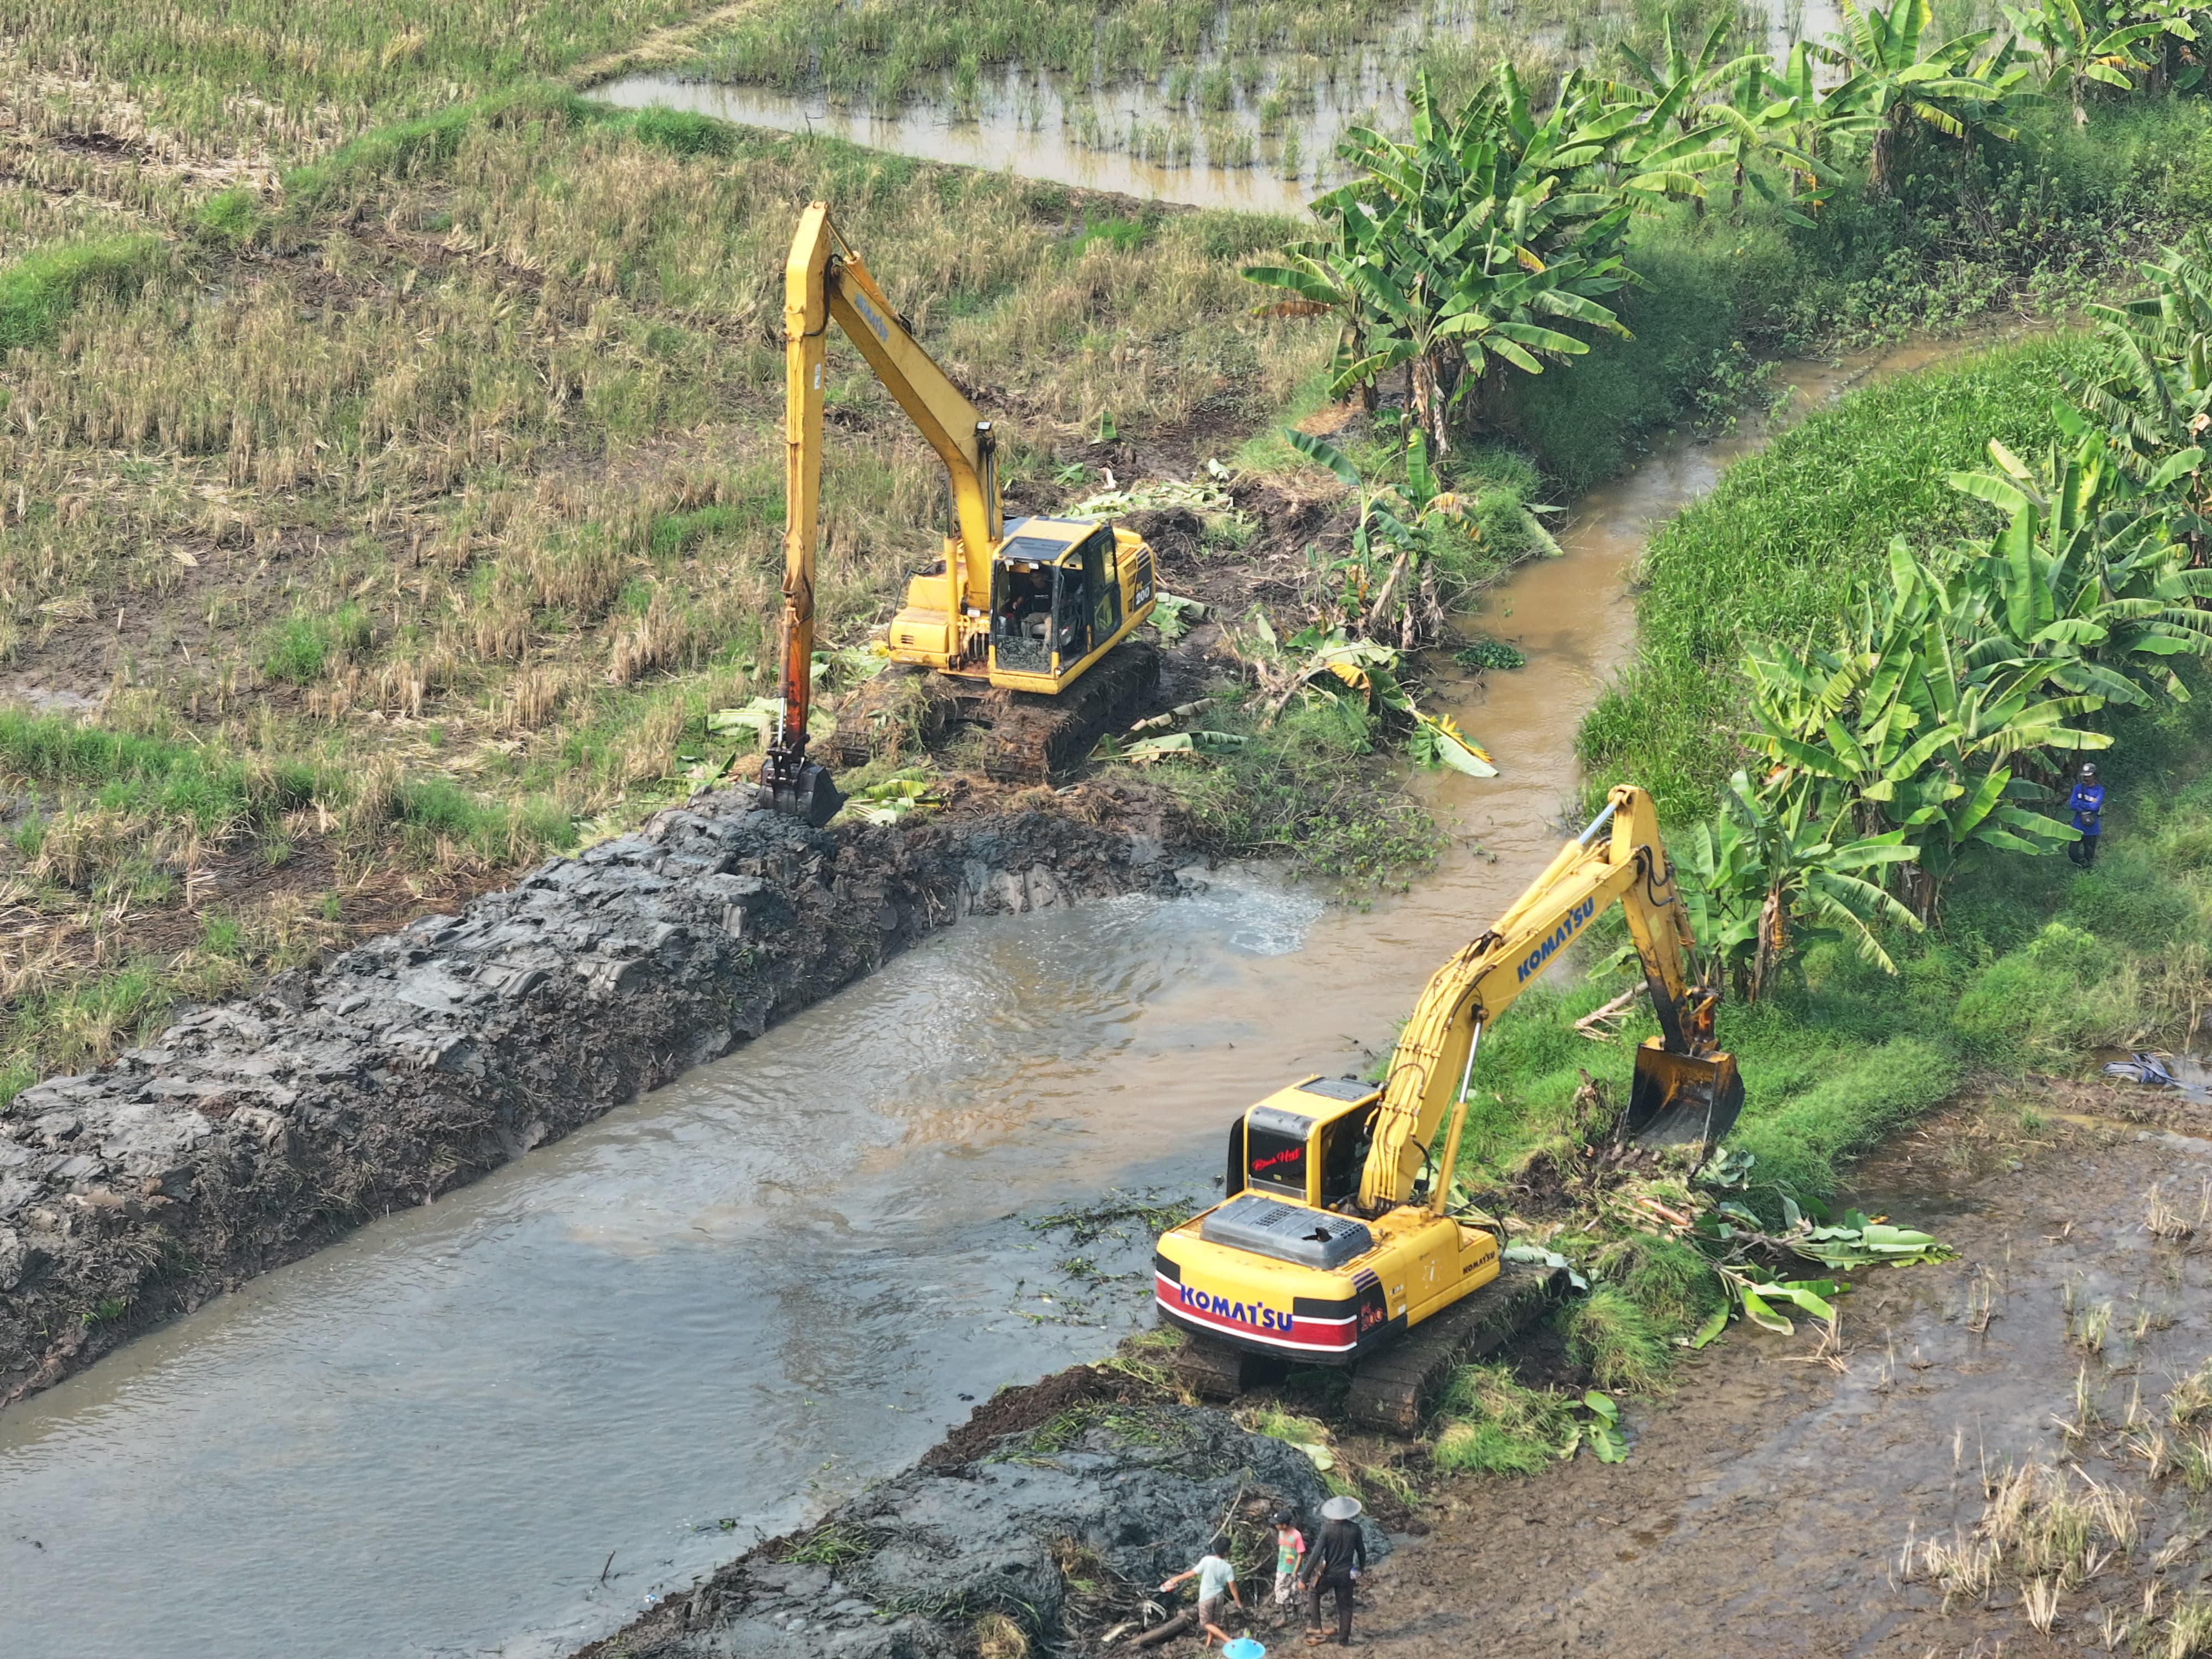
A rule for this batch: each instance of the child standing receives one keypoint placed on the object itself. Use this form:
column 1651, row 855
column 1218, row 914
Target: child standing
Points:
column 1290, row 1555
column 1216, row 1584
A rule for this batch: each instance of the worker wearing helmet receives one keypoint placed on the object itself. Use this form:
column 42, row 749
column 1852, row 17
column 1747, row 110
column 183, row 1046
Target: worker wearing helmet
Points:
column 2087, row 805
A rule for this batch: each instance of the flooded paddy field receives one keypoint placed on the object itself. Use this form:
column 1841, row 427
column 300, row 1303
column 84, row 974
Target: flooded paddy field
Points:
column 1239, row 108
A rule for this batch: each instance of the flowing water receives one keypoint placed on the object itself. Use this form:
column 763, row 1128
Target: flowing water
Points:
column 498, row 1424
column 1269, row 147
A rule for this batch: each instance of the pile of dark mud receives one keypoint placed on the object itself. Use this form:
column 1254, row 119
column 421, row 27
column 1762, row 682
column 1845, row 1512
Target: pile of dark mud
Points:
column 1058, row 1509
column 253, row 1133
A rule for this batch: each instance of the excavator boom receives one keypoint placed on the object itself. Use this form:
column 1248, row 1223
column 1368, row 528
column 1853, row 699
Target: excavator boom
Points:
column 1027, row 609
column 1326, row 1247
column 823, row 278
column 1428, row 1071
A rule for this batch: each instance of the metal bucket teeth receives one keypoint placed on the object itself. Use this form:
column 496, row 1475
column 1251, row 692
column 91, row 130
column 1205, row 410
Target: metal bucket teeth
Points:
column 812, row 796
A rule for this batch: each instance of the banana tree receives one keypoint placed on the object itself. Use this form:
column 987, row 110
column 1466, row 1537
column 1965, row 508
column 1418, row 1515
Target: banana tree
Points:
column 1901, row 83
column 1764, row 116
column 1476, row 236
column 2150, row 404
column 1920, row 728
column 1317, row 274
column 1808, row 124
column 1675, row 94
column 1776, row 860
column 2084, row 579
column 2080, row 50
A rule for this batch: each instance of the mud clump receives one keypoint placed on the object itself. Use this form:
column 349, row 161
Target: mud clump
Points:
column 251, row 1133
column 1057, row 1527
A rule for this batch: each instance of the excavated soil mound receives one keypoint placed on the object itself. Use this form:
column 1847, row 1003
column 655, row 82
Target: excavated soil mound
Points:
column 251, row 1133
column 1060, row 1529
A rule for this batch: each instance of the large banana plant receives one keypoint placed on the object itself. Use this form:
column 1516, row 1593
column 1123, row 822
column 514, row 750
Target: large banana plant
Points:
column 1762, row 116
column 2149, row 405
column 1900, row 83
column 1479, row 235
column 2083, row 581
column 1917, row 727
column 1676, row 92
column 1779, row 859
column 2080, row 49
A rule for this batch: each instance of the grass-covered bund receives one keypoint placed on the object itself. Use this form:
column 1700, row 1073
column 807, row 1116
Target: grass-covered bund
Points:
column 2032, row 965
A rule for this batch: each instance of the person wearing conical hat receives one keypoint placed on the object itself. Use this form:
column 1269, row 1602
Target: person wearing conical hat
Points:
column 1331, row 1566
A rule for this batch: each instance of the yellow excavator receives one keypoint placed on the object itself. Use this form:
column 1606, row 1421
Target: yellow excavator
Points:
column 1334, row 1243
column 1021, row 615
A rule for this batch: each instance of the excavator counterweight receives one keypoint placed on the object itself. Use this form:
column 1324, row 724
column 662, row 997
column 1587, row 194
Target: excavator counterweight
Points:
column 1028, row 621
column 1335, row 1243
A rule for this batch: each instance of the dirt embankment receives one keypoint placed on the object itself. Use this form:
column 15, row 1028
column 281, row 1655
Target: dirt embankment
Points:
column 255, row 1132
column 1056, row 1510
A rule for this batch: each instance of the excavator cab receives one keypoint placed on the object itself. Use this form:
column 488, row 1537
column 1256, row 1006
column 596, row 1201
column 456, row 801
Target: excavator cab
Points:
column 1321, row 1128
column 1054, row 596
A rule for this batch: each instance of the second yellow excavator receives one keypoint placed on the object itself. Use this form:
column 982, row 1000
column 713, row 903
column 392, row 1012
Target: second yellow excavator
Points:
column 1020, row 614
column 1334, row 1243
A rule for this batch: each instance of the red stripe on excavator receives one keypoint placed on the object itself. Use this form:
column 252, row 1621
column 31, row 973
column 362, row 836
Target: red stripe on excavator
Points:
column 1339, row 1334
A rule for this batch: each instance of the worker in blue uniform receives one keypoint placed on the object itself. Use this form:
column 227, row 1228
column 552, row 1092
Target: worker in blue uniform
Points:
column 2087, row 805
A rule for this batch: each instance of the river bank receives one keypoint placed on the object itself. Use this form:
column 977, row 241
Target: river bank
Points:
column 250, row 1133
column 1809, row 1493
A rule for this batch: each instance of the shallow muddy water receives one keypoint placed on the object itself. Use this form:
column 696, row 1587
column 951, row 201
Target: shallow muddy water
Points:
column 497, row 1425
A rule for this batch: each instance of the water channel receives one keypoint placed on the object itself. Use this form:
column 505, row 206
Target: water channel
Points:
column 497, row 1425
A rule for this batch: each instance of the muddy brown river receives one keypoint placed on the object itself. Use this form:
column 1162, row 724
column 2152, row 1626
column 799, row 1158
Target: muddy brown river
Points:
column 498, row 1425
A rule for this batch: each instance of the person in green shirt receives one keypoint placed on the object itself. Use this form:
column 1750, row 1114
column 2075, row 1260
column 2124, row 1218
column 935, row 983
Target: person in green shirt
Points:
column 1290, row 1550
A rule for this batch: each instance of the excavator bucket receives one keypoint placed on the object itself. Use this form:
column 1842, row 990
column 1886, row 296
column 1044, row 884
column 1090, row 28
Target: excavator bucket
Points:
column 803, row 792
column 1681, row 1100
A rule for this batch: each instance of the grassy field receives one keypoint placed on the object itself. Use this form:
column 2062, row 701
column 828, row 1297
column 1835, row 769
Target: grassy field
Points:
column 461, row 462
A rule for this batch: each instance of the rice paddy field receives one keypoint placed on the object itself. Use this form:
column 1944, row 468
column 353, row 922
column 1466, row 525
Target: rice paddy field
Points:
column 390, row 479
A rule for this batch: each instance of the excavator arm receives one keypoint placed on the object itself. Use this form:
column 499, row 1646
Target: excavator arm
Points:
column 824, row 278
column 1684, row 1091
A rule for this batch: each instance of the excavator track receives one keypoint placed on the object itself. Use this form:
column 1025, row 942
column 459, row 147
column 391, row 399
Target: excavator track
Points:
column 1028, row 737
column 1392, row 1392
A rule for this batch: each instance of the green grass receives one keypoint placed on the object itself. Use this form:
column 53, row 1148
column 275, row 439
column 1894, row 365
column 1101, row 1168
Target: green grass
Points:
column 1611, row 1334
column 212, row 67
column 1774, row 552
column 38, row 291
column 1490, row 1423
column 211, row 791
column 302, row 645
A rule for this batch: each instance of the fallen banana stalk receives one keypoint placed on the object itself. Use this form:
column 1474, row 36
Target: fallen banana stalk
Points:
column 1598, row 1025
column 1180, row 712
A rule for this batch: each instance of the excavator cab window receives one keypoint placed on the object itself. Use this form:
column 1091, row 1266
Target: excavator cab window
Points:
column 1071, row 612
column 1276, row 1143
column 1104, row 582
column 1022, row 605
column 1343, row 1156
